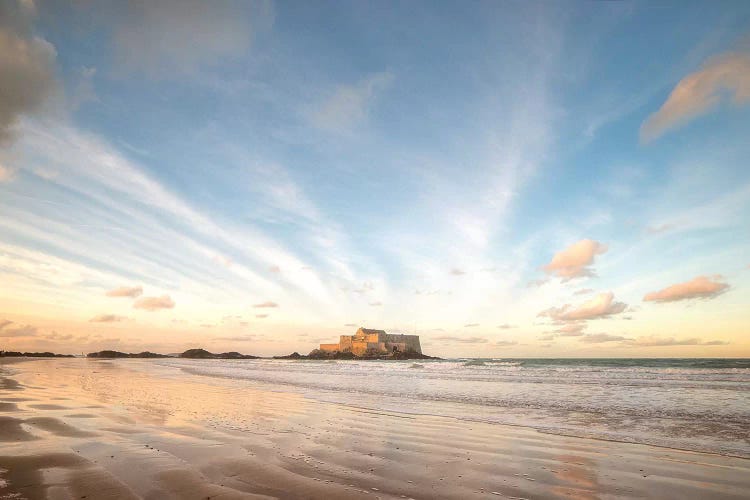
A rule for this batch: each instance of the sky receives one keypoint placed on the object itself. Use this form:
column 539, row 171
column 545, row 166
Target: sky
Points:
column 504, row 179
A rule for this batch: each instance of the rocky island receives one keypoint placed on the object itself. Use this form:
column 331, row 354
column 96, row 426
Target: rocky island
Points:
column 117, row 354
column 204, row 354
column 16, row 354
column 368, row 343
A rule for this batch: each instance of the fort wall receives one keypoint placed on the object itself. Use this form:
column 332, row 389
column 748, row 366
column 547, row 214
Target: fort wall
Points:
column 378, row 341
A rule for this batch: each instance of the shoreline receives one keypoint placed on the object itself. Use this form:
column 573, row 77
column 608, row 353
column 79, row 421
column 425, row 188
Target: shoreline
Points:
column 94, row 424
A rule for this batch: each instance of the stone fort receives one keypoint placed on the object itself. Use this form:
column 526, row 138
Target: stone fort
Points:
column 377, row 341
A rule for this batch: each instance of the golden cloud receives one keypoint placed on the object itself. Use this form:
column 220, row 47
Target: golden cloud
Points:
column 126, row 291
column 700, row 92
column 154, row 303
column 574, row 261
column 600, row 306
column 106, row 318
column 702, row 287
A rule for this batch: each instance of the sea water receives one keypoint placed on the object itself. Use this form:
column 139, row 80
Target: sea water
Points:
column 692, row 404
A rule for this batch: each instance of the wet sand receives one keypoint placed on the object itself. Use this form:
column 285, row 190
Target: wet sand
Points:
column 78, row 428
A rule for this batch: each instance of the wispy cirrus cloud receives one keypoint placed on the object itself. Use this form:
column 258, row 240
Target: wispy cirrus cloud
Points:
column 236, row 338
column 462, row 340
column 349, row 105
column 701, row 287
column 600, row 306
column 154, row 303
column 505, row 343
column 722, row 78
column 671, row 341
column 126, row 291
column 575, row 261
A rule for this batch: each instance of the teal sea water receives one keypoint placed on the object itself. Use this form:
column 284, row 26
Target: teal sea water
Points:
column 693, row 404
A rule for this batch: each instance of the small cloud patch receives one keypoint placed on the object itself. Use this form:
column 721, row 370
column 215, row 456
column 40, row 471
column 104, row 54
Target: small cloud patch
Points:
column 266, row 304
column 154, row 303
column 576, row 260
column 106, row 318
column 126, row 291
column 462, row 340
column 602, row 305
column 598, row 338
column 702, row 287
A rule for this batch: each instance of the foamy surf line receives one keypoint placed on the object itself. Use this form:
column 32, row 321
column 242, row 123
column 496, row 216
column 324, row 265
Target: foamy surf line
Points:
column 687, row 420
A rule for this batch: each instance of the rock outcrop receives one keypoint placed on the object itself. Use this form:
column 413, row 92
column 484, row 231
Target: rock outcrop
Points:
column 204, row 354
column 117, row 354
column 16, row 354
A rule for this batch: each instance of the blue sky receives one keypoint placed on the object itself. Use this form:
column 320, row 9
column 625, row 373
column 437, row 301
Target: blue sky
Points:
column 415, row 167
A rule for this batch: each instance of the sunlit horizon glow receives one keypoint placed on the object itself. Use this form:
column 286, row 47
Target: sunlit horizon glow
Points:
column 504, row 180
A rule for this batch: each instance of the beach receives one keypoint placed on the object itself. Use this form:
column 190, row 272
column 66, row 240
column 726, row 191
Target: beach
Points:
column 81, row 428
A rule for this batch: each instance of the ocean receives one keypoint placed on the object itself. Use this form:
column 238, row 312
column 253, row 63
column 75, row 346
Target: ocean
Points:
column 690, row 404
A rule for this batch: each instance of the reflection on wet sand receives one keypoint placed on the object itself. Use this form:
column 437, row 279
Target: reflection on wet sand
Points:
column 124, row 433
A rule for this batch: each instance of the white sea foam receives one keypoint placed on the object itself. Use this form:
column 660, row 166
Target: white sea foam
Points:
column 704, row 408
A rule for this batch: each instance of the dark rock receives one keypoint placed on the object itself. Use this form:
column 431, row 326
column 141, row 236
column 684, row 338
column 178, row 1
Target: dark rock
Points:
column 198, row 354
column 294, row 355
column 204, row 354
column 117, row 354
column 107, row 354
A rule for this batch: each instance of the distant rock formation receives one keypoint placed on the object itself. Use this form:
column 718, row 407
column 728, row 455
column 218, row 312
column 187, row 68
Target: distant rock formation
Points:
column 294, row 355
column 118, row 354
column 16, row 354
column 204, row 354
